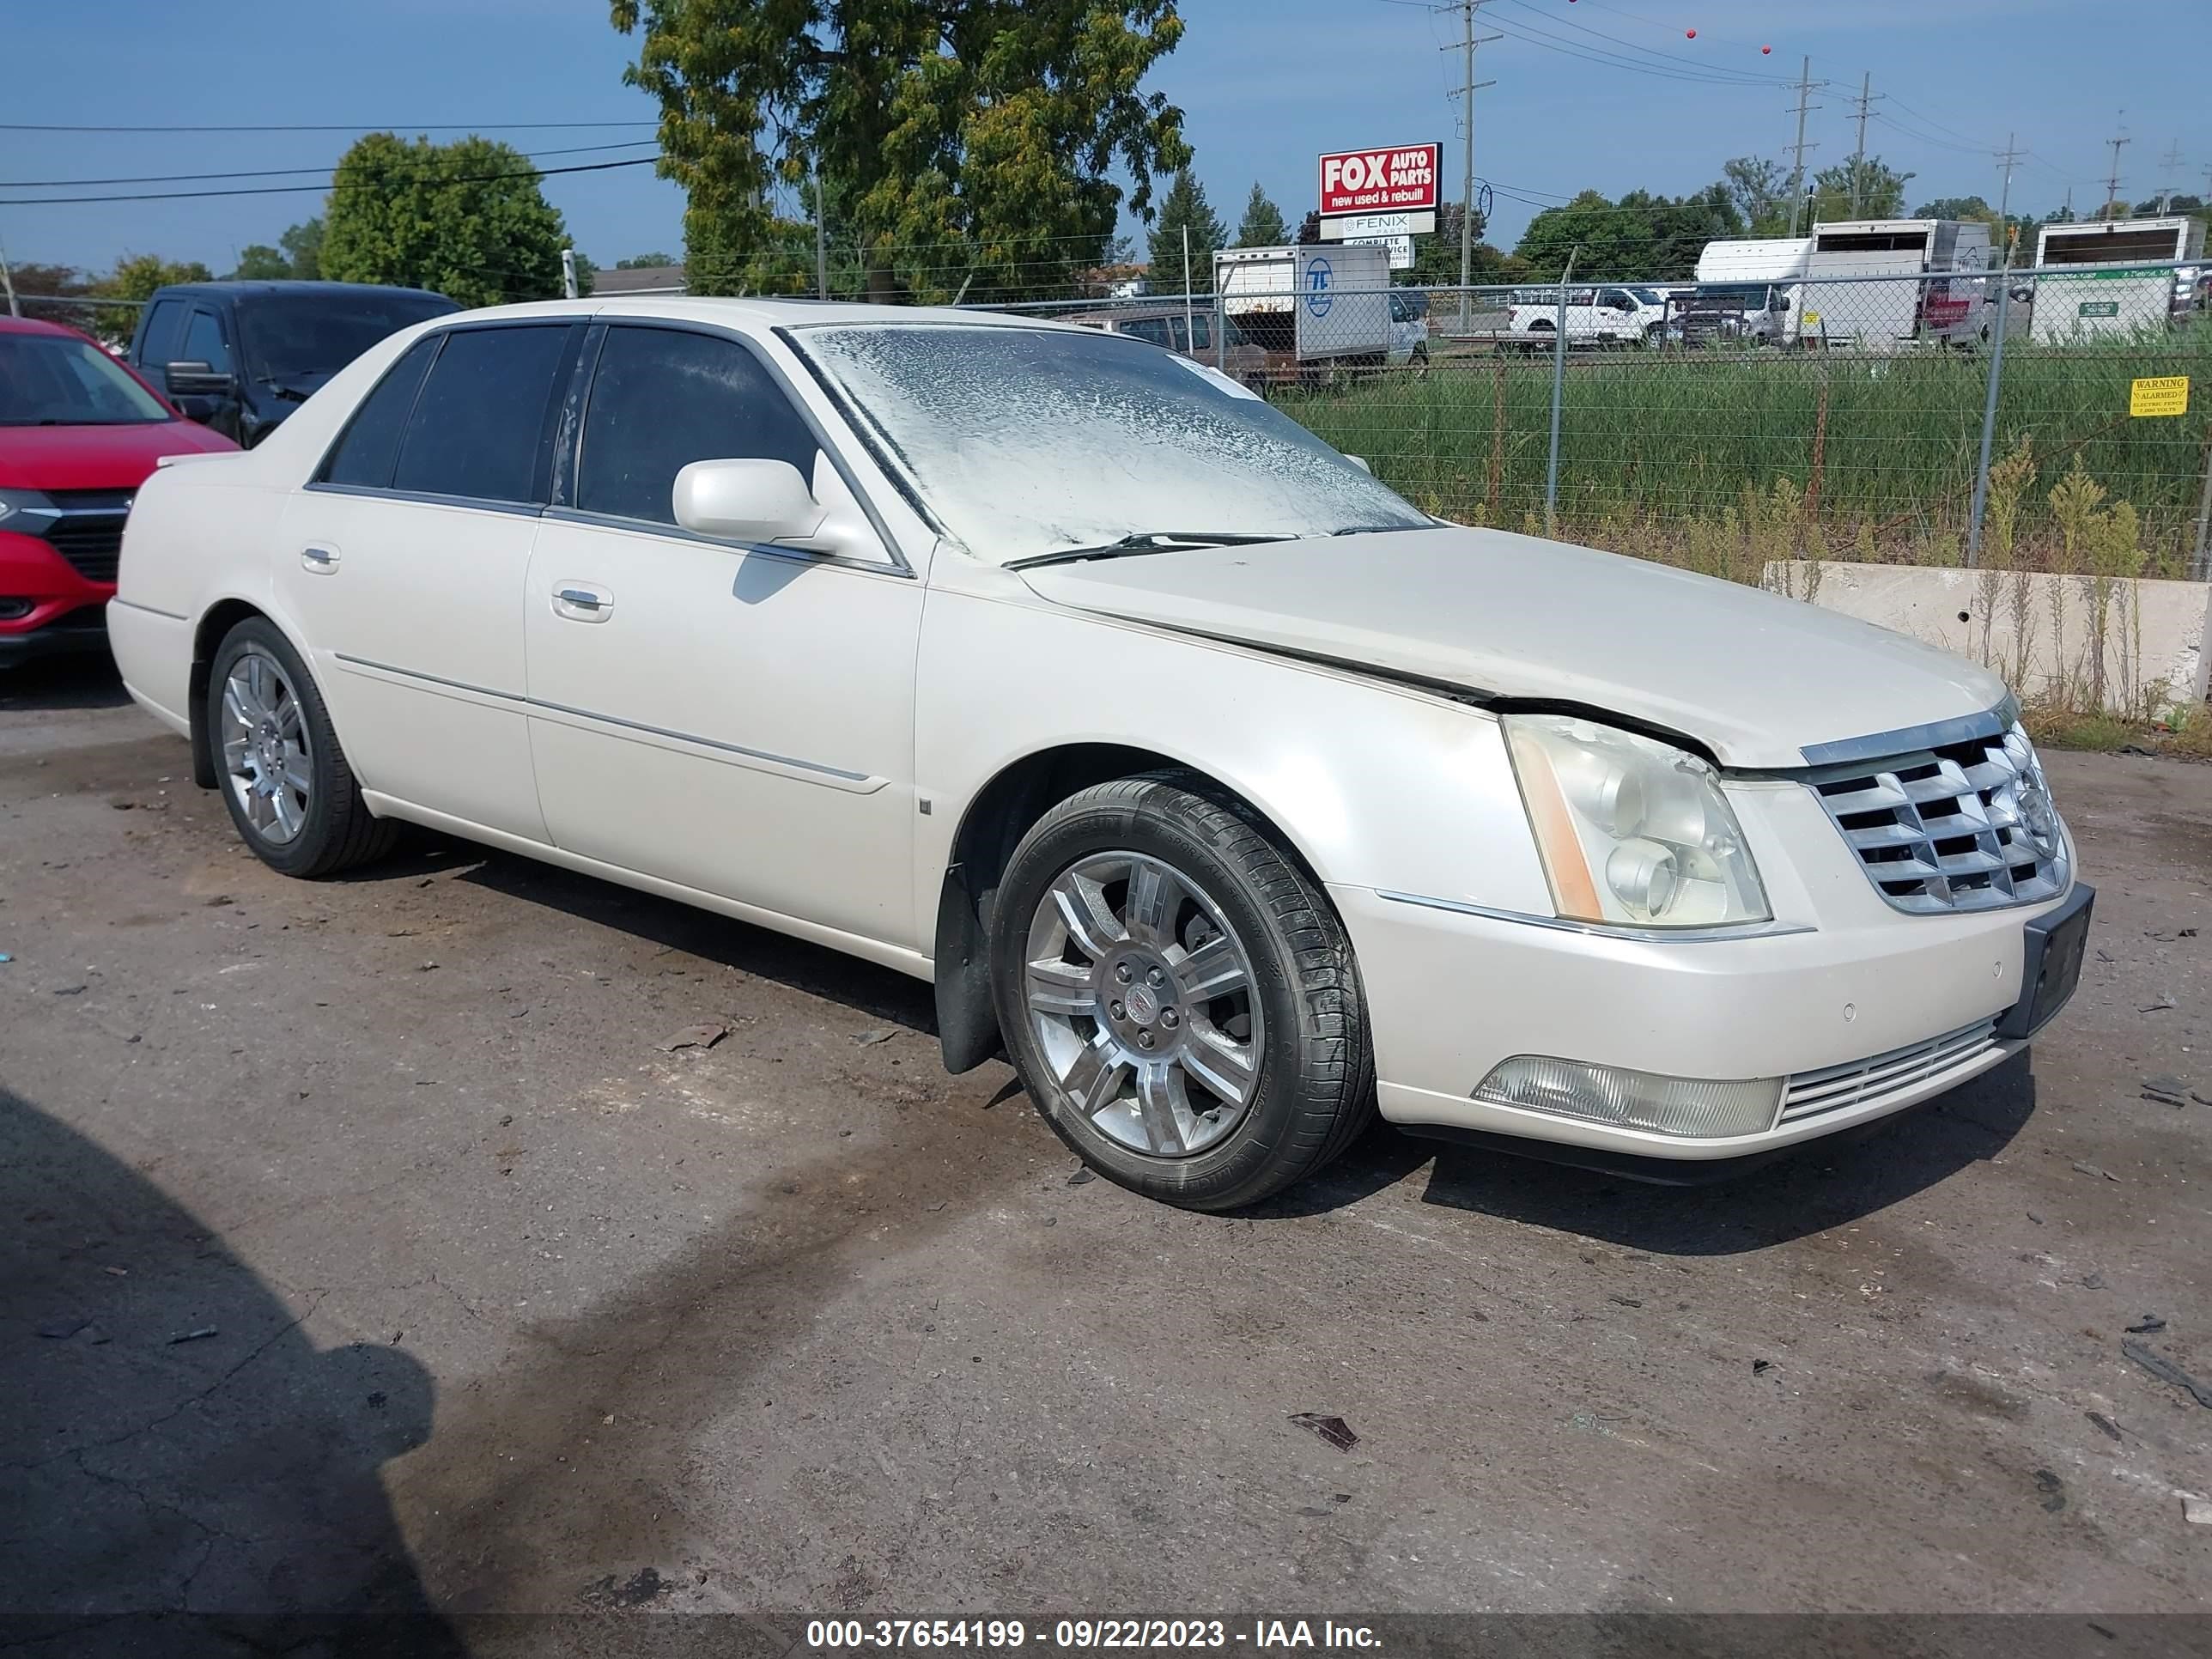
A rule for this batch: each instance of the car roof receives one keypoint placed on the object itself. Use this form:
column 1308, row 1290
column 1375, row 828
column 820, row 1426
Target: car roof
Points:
column 763, row 313
column 234, row 289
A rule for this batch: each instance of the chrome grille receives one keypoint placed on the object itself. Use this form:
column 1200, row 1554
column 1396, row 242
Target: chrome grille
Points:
column 1859, row 1082
column 1964, row 826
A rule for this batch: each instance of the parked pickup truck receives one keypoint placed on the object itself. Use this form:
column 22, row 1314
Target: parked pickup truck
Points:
column 1595, row 316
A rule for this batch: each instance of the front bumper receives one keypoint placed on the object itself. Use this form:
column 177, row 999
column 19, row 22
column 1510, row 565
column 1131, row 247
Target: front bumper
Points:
column 64, row 615
column 1862, row 1018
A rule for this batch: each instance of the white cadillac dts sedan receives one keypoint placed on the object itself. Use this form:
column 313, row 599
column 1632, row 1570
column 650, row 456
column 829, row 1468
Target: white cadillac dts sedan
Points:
column 1230, row 794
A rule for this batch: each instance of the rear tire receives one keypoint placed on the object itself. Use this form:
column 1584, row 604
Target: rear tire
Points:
column 1177, row 995
column 283, row 777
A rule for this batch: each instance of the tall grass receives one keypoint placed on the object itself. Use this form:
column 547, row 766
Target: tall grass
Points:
column 1658, row 449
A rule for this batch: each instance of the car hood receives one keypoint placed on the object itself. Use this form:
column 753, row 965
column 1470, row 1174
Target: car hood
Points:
column 96, row 457
column 1756, row 677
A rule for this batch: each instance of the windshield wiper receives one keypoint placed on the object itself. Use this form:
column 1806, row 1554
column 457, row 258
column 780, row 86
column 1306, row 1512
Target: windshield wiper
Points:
column 1147, row 541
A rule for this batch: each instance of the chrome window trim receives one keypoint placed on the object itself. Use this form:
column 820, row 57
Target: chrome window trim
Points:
column 424, row 498
column 526, row 703
column 1738, row 930
column 1887, row 745
column 895, row 562
column 677, row 532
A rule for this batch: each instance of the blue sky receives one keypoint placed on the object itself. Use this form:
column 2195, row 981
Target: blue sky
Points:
column 1265, row 84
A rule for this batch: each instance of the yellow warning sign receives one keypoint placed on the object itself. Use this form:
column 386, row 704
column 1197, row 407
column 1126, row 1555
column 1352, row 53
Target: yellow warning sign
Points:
column 2160, row 394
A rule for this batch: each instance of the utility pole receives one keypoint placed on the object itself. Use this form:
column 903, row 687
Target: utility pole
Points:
column 2169, row 164
column 1858, row 156
column 568, row 273
column 8, row 281
column 1468, row 87
column 2112, row 180
column 1797, row 167
column 2009, row 160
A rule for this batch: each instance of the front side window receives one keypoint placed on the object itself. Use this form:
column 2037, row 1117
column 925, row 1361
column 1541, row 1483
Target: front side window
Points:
column 203, row 343
column 164, row 324
column 478, row 430
column 1152, row 330
column 1025, row 441
column 62, row 379
column 662, row 398
column 1201, row 333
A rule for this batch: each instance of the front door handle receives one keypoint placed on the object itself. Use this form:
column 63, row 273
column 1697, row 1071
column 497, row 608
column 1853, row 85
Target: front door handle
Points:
column 579, row 602
column 320, row 560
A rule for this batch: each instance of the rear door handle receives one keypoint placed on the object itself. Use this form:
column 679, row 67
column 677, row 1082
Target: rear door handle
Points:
column 579, row 602
column 321, row 561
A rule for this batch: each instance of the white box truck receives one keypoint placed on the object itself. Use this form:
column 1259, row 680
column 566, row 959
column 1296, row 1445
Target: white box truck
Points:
column 1758, row 282
column 2112, row 298
column 1941, row 296
column 1323, row 303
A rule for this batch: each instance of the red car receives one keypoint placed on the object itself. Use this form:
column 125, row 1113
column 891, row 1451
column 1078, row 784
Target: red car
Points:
column 79, row 432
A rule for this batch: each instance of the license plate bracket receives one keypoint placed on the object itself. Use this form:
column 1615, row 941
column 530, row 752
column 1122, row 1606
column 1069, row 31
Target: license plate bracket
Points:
column 2050, row 964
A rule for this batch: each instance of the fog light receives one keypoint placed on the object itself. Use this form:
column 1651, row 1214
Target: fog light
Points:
column 11, row 609
column 1632, row 1100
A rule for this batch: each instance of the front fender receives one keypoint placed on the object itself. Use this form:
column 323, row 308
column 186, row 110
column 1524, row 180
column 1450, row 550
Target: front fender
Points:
column 1374, row 784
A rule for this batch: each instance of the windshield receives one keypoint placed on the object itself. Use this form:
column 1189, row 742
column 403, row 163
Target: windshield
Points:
column 57, row 380
column 1650, row 296
column 290, row 337
column 1026, row 441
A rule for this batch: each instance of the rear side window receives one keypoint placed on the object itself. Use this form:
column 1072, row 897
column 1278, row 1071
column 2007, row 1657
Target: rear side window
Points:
column 365, row 455
column 163, row 324
column 662, row 398
column 479, row 426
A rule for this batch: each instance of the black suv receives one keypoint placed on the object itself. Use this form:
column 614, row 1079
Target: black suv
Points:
column 239, row 356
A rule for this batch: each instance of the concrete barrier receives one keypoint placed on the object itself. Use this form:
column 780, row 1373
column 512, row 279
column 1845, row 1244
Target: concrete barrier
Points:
column 2128, row 647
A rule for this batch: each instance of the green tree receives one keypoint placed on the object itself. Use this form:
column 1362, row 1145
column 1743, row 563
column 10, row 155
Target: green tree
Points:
column 1184, row 208
column 1760, row 190
column 467, row 219
column 971, row 141
column 303, row 247
column 1681, row 227
column 645, row 262
column 260, row 263
column 1436, row 258
column 1881, row 193
column 1262, row 225
column 1614, row 244
column 135, row 276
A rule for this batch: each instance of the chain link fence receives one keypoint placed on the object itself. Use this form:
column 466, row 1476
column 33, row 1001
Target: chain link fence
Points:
column 1996, row 419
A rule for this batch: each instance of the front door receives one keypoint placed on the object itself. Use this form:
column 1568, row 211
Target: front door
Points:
column 738, row 721
column 405, row 563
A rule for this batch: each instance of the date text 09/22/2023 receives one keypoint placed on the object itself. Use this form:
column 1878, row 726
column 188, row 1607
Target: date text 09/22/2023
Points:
column 831, row 1635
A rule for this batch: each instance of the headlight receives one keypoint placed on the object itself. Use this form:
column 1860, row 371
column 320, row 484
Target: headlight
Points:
column 1632, row 831
column 14, row 502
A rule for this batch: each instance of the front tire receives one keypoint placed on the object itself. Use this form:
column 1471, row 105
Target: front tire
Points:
column 291, row 793
column 1177, row 995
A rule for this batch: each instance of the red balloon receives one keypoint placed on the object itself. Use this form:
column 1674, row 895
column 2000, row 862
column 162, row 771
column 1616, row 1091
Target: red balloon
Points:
column 1691, row 35
column 1766, row 52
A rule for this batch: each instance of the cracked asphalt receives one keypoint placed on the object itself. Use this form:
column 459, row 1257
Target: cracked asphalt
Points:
column 362, row 1249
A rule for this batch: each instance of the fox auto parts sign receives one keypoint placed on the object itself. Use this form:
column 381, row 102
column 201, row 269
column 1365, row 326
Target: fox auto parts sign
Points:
column 1396, row 180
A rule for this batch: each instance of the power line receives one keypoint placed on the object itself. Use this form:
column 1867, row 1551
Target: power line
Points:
column 1748, row 76
column 335, row 185
column 372, row 126
column 265, row 172
column 1608, row 59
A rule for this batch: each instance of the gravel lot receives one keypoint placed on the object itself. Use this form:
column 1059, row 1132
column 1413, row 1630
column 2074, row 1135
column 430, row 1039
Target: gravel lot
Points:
column 361, row 1240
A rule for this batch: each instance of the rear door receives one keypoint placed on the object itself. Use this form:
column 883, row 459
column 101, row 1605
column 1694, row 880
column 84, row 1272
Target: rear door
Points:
column 404, row 562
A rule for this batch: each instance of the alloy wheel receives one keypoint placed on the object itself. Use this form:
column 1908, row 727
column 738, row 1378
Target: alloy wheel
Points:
column 268, row 762
column 1142, row 1000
